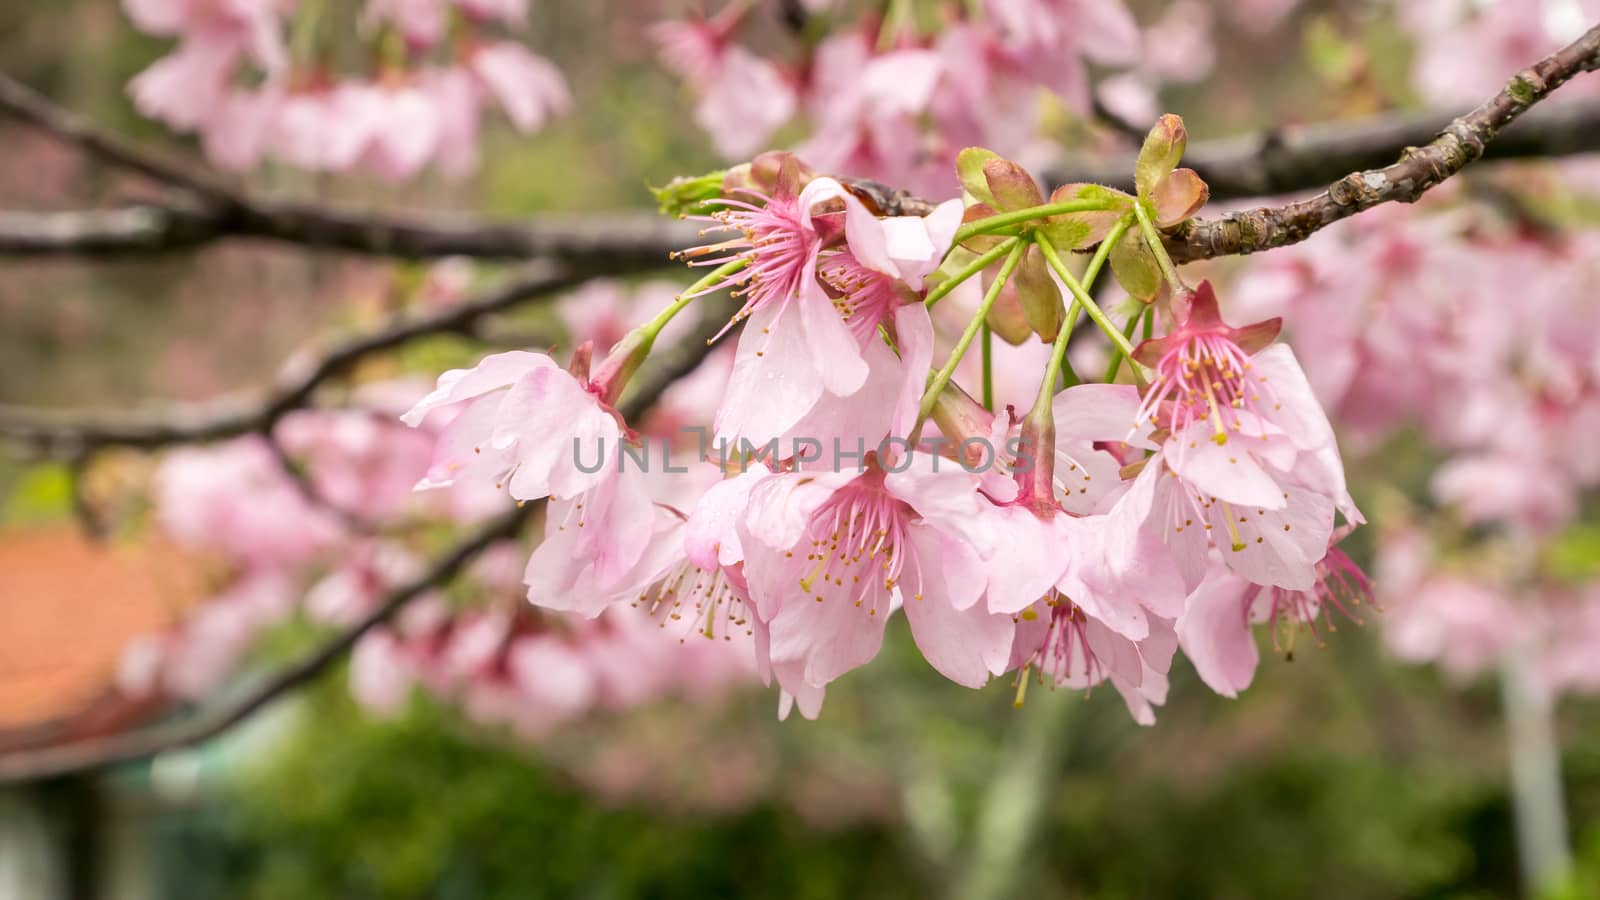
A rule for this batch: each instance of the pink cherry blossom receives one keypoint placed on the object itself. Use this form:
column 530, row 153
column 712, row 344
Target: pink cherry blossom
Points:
column 857, row 546
column 528, row 87
column 597, row 546
column 799, row 344
column 422, row 22
column 381, row 677
column 236, row 498
column 745, row 104
column 1464, row 626
column 520, row 420
column 694, row 48
column 1059, row 641
column 183, row 88
column 1215, row 629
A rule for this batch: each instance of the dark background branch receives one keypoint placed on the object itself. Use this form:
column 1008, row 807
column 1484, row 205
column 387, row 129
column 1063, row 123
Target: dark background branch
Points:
column 207, row 209
column 67, row 432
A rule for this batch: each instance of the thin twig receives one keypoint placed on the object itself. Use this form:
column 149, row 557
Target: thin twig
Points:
column 1307, row 157
column 33, row 107
column 609, row 243
column 1461, row 142
column 68, row 432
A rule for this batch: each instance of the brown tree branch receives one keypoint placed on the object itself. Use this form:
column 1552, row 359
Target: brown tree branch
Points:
column 53, row 762
column 1302, row 158
column 68, row 432
column 33, row 107
column 1462, row 141
column 609, row 243
column 212, row 208
column 1279, row 163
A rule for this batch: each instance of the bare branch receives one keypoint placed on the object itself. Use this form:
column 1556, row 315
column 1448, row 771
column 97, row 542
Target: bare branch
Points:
column 1298, row 159
column 68, row 432
column 598, row 243
column 212, row 208
column 53, row 762
column 1462, row 141
column 138, row 229
column 1280, row 163
column 29, row 105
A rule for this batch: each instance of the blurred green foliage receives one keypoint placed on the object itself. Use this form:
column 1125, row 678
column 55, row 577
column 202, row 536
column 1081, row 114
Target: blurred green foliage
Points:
column 1309, row 787
column 409, row 808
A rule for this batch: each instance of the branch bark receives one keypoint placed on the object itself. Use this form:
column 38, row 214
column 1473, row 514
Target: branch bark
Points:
column 69, row 432
column 1292, row 160
column 601, row 243
column 1462, row 141
column 1277, row 163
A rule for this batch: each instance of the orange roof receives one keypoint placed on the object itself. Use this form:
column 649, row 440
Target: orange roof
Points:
column 68, row 606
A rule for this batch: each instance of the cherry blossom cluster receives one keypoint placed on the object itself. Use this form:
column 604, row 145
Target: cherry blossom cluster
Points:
column 329, row 545
column 846, row 477
column 893, row 96
column 1465, row 50
column 257, row 80
column 1479, row 336
column 885, row 99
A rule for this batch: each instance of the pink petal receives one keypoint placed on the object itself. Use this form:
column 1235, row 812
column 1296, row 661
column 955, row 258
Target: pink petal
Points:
column 491, row 373
column 774, row 381
column 914, row 332
column 528, row 87
column 965, row 645
column 711, row 536
column 555, row 424
column 1216, row 637
column 1228, row 472
column 1276, row 547
column 1100, row 412
column 834, row 351
column 1027, row 556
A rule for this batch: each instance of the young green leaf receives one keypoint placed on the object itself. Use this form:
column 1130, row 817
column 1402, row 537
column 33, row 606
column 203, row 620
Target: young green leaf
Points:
column 969, row 168
column 1162, row 149
column 1136, row 268
column 1038, row 295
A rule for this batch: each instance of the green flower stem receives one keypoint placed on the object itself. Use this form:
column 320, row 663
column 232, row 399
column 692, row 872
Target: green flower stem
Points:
column 1157, row 247
column 1020, row 216
column 1089, row 306
column 898, row 16
column 625, row 356
column 944, row 375
column 1059, row 368
column 691, row 293
column 972, row 268
column 988, row 367
column 1058, row 357
column 1069, row 377
column 1117, row 355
